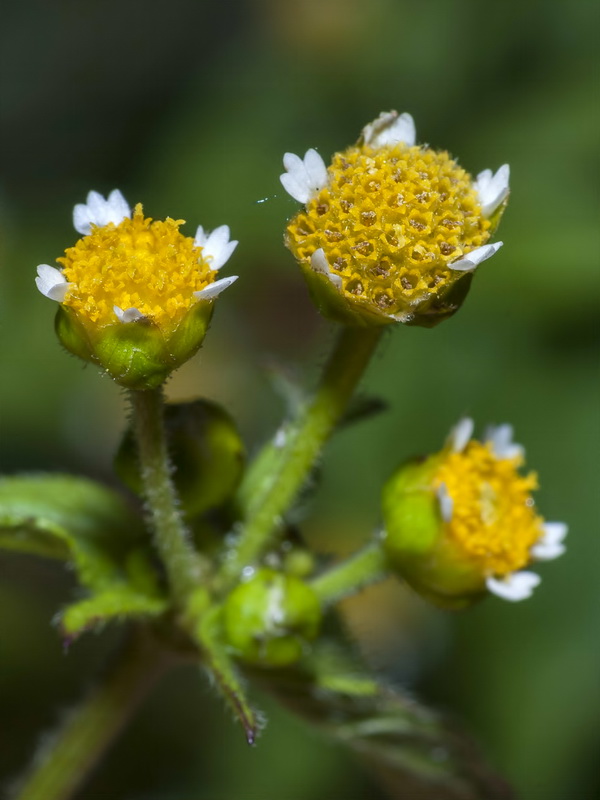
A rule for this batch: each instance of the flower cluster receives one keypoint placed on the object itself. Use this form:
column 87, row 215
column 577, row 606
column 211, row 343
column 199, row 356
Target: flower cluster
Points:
column 391, row 226
column 479, row 526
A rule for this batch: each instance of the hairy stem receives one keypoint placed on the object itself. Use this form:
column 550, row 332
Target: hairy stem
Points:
column 68, row 757
column 184, row 566
column 301, row 444
column 350, row 576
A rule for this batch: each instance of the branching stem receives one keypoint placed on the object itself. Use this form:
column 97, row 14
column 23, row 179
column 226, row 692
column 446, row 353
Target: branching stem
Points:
column 301, row 446
column 350, row 576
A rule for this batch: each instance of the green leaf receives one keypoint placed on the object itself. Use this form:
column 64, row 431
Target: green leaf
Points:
column 84, row 523
column 69, row 518
column 221, row 667
column 117, row 602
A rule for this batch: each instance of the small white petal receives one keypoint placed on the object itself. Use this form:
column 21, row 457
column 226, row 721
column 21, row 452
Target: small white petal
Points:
column 216, row 247
column 472, row 260
column 500, row 437
column 492, row 189
column 214, row 289
column 128, row 315
column 550, row 545
column 98, row 211
column 52, row 283
column 446, row 502
column 304, row 178
column 390, row 128
column 515, row 586
column 315, row 170
column 118, row 205
column 460, row 434
column 319, row 263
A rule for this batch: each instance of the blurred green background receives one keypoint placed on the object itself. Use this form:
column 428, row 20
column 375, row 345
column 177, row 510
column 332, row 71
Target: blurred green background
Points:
column 188, row 106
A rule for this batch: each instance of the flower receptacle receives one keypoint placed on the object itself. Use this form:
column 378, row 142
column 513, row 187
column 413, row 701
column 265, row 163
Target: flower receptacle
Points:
column 138, row 354
column 416, row 544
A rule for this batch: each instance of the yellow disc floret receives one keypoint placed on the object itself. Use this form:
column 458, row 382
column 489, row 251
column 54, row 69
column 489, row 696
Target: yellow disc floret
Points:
column 389, row 222
column 493, row 518
column 138, row 263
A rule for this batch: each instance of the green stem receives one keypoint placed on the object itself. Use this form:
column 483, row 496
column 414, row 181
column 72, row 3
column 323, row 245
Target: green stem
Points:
column 348, row 577
column 304, row 440
column 63, row 764
column 184, row 566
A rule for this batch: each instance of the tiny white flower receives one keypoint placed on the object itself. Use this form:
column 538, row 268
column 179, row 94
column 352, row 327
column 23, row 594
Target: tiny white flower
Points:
column 98, row 211
column 492, row 189
column 550, row 545
column 216, row 246
column 446, row 502
column 471, row 260
column 390, row 128
column 304, row 178
column 52, row 283
column 460, row 434
column 319, row 263
column 215, row 289
column 131, row 314
column 500, row 437
column 514, row 586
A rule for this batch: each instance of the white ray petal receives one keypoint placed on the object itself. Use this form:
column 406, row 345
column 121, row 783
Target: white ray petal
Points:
column 216, row 247
column 492, row 189
column 446, row 502
column 319, row 263
column 515, row 586
column 214, row 289
column 550, row 545
column 98, row 211
column 460, row 434
column 131, row 314
column 472, row 260
column 304, row 178
column 500, row 437
column 52, row 283
column 390, row 128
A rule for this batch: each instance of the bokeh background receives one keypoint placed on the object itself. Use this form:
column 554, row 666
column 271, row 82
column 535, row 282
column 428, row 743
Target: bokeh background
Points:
column 188, row 106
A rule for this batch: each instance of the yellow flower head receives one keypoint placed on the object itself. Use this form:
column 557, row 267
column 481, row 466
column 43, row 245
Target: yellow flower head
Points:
column 134, row 290
column 464, row 520
column 391, row 225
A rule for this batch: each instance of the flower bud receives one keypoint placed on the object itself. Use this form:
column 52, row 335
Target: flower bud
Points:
column 391, row 231
column 207, row 452
column 462, row 523
column 136, row 296
column 269, row 619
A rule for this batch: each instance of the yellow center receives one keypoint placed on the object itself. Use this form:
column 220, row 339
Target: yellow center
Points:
column 389, row 222
column 138, row 263
column 493, row 518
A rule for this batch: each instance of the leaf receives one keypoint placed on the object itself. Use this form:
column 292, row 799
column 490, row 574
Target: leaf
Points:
column 361, row 408
column 69, row 518
column 84, row 523
column 223, row 670
column 117, row 602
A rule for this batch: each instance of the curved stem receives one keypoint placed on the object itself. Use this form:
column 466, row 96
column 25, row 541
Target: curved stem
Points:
column 63, row 764
column 350, row 576
column 185, row 567
column 302, row 443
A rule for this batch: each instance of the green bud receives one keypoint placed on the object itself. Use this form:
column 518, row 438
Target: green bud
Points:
column 269, row 619
column 415, row 540
column 206, row 449
column 138, row 354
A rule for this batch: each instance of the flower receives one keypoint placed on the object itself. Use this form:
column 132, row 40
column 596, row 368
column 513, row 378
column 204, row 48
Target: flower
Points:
column 391, row 229
column 479, row 527
column 130, row 283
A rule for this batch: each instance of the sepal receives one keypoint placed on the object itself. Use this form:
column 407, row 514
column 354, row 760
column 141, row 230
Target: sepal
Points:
column 416, row 544
column 136, row 354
